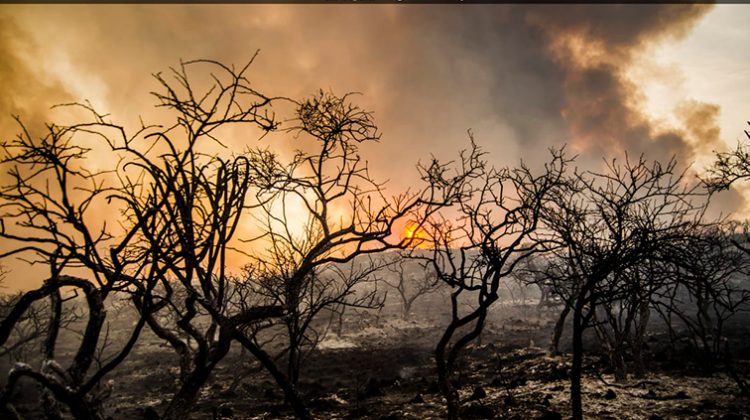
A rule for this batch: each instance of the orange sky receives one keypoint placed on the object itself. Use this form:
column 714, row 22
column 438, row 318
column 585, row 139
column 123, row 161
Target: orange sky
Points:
column 660, row 80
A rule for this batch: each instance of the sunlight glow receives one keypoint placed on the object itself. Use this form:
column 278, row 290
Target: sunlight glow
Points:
column 414, row 234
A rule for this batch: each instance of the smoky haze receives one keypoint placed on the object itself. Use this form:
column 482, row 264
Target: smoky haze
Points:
column 522, row 78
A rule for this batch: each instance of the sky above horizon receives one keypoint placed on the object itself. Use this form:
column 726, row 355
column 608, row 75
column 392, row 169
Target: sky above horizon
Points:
column 658, row 80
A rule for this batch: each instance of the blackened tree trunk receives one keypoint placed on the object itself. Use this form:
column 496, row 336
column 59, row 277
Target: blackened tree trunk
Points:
column 81, row 410
column 183, row 401
column 85, row 355
column 446, row 353
column 618, row 364
column 290, row 392
column 644, row 313
column 293, row 361
column 444, row 371
column 577, row 365
column 77, row 403
column 557, row 332
column 47, row 401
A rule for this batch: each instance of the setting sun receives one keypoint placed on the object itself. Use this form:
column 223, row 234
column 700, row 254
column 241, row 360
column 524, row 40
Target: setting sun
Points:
column 412, row 232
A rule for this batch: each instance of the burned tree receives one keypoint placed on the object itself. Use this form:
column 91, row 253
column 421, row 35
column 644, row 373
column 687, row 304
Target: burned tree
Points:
column 319, row 212
column 602, row 228
column 730, row 167
column 181, row 205
column 50, row 206
column 545, row 275
column 498, row 211
column 410, row 283
column 32, row 327
column 196, row 306
column 705, row 290
column 337, row 286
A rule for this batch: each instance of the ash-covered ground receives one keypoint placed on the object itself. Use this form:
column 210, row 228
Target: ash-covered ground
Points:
column 381, row 366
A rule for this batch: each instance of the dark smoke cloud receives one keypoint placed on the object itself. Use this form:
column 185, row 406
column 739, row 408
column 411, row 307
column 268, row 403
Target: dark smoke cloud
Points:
column 621, row 27
column 594, row 46
column 429, row 73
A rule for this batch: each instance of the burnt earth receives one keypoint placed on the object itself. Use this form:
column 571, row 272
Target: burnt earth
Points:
column 386, row 371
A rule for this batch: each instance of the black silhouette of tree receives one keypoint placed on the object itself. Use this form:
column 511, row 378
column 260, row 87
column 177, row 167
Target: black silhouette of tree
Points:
column 599, row 231
column 498, row 210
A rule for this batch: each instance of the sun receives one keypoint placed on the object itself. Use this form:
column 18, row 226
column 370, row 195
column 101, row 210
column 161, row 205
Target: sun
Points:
column 413, row 233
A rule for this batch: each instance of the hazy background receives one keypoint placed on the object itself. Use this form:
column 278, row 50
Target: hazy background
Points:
column 656, row 79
